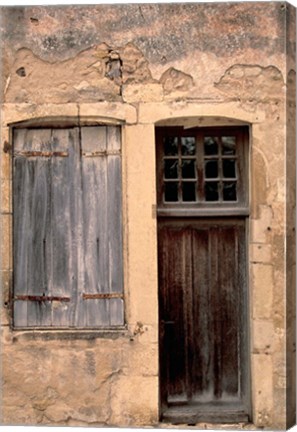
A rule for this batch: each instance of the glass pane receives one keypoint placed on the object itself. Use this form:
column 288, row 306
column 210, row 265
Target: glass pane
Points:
column 170, row 146
column 228, row 145
column 229, row 191
column 211, row 191
column 210, row 146
column 189, row 191
column 170, row 168
column 188, row 168
column 211, row 169
column 188, row 146
column 229, row 168
column 171, row 191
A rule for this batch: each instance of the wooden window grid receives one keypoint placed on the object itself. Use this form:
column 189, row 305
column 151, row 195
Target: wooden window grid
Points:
column 202, row 170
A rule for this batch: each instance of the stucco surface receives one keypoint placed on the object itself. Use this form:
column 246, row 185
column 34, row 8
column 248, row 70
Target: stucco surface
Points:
column 142, row 65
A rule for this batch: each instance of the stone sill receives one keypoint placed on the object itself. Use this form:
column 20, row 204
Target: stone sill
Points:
column 25, row 334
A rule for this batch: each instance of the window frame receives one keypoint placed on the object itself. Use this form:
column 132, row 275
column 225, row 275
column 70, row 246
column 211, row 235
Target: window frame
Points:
column 199, row 207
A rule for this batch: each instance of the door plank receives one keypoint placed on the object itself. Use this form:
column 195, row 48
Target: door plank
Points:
column 174, row 247
column 230, row 306
column 202, row 375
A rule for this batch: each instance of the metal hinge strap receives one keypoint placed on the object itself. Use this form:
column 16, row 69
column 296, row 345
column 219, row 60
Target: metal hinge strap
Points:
column 102, row 296
column 41, row 298
column 102, row 153
column 40, row 153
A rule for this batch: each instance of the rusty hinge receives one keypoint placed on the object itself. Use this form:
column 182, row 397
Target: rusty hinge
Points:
column 41, row 298
column 102, row 153
column 102, row 296
column 7, row 147
column 40, row 153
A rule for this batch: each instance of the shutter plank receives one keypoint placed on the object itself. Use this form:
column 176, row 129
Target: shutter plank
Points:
column 95, row 225
column 61, row 263
column 39, row 313
column 20, row 313
column 114, row 216
column 30, row 227
column 22, row 203
column 76, row 318
column 21, row 140
column 116, row 312
column 39, row 221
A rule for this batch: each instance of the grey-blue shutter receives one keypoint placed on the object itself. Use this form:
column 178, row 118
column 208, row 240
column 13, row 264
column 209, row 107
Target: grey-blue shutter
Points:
column 68, row 228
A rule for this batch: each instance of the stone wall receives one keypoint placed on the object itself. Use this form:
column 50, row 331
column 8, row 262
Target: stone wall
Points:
column 142, row 65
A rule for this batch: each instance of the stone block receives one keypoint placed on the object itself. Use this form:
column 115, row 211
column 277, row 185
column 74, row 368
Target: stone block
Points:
column 263, row 336
column 6, row 280
column 152, row 92
column 146, row 333
column 6, row 196
column 262, row 226
column 176, row 80
column 134, row 401
column 20, row 415
column 63, row 381
column 16, row 112
column 154, row 112
column 281, row 411
column 5, row 284
column 281, row 190
column 109, row 111
column 6, row 249
column 262, row 389
column 140, row 359
column 135, row 67
column 5, row 164
column 141, row 194
column 262, row 290
column 260, row 253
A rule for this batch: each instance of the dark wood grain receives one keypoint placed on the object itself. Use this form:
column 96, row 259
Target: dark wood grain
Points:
column 202, row 353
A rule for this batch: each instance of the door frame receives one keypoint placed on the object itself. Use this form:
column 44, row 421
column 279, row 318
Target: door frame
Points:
column 209, row 213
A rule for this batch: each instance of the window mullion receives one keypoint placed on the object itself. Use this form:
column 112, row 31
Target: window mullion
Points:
column 200, row 166
column 179, row 170
column 220, row 169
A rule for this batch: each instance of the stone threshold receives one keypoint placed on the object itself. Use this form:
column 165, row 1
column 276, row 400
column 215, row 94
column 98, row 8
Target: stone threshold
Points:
column 212, row 426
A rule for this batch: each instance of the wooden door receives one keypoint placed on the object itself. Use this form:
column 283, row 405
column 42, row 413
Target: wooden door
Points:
column 204, row 370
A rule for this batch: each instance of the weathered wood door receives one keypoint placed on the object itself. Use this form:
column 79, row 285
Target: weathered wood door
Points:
column 204, row 369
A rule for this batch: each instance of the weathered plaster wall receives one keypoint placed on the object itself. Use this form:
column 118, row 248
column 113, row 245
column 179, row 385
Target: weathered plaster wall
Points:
column 191, row 64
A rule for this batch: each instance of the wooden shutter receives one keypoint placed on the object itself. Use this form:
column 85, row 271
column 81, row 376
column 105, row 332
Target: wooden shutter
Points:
column 67, row 228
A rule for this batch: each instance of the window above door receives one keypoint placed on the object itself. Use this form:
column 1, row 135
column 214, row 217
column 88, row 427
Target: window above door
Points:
column 202, row 170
